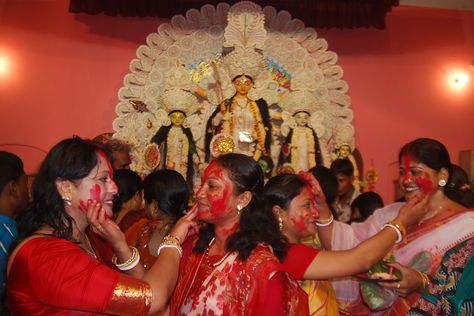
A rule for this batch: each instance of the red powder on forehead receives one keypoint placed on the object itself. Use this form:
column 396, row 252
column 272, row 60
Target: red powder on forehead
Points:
column 312, row 196
column 406, row 164
column 299, row 222
column 107, row 161
column 425, row 183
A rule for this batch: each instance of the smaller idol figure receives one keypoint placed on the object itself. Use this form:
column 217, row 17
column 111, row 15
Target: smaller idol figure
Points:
column 300, row 149
column 174, row 139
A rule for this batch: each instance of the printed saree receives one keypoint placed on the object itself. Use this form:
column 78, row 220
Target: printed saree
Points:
column 435, row 238
column 233, row 287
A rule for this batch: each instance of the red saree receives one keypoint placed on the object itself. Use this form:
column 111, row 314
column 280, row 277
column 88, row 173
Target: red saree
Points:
column 233, row 287
column 52, row 276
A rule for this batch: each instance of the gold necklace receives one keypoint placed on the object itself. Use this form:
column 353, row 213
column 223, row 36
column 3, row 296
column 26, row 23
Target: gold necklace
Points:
column 431, row 214
column 88, row 247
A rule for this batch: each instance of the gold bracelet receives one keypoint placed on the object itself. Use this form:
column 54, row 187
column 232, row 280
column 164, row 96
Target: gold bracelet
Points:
column 171, row 238
column 425, row 279
column 400, row 227
column 170, row 241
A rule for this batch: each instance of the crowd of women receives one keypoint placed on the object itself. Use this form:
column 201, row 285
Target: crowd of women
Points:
column 246, row 256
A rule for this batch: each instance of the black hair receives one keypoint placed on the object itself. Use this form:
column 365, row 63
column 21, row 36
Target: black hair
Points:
column 460, row 187
column 128, row 184
column 367, row 203
column 328, row 182
column 71, row 159
column 169, row 190
column 282, row 189
column 257, row 224
column 342, row 166
column 11, row 168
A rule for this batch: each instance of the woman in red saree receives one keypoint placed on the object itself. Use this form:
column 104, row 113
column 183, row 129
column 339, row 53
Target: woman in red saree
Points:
column 291, row 198
column 53, row 270
column 231, row 268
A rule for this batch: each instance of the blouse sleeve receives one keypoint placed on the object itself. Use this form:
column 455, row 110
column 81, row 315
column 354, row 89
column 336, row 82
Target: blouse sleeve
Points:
column 60, row 274
column 298, row 259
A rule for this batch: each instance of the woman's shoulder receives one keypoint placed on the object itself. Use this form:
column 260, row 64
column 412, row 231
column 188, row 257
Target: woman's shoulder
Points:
column 40, row 245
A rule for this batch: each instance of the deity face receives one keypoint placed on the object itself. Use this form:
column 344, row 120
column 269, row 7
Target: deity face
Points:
column 301, row 217
column 416, row 176
column 344, row 151
column 177, row 118
column 243, row 84
column 301, row 119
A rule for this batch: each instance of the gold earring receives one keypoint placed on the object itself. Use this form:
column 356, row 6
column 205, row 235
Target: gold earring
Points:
column 280, row 223
column 239, row 209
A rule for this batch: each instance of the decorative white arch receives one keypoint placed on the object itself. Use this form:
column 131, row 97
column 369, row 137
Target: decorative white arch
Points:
column 186, row 53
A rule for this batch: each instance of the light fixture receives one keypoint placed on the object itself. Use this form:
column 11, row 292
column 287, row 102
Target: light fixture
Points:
column 3, row 66
column 458, row 80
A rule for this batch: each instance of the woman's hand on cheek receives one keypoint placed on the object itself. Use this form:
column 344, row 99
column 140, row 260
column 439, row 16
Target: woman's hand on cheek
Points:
column 186, row 226
column 102, row 225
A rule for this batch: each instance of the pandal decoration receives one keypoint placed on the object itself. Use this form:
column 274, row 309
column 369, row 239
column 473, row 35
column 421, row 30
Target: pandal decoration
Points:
column 187, row 54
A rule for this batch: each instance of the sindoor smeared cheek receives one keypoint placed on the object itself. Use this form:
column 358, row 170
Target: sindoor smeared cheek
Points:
column 425, row 183
column 219, row 201
column 95, row 193
column 299, row 222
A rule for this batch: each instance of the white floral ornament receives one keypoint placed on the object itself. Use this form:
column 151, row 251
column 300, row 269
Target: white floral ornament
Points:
column 179, row 100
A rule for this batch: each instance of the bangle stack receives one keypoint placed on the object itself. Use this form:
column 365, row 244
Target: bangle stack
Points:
column 426, row 280
column 170, row 241
column 131, row 263
column 399, row 228
column 325, row 222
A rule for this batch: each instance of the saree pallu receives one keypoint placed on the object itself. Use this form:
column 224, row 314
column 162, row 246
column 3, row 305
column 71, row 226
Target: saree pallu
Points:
column 435, row 238
column 234, row 287
column 52, row 276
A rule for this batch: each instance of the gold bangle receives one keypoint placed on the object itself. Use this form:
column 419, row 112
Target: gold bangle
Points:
column 425, row 279
column 171, row 238
column 326, row 221
column 400, row 227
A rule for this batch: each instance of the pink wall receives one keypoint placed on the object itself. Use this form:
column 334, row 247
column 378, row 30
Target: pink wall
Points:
column 66, row 70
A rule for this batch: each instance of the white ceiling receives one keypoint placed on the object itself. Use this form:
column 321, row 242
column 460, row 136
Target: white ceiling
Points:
column 448, row 4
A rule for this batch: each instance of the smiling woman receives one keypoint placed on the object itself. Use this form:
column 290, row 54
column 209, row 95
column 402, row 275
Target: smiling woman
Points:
column 425, row 169
column 72, row 192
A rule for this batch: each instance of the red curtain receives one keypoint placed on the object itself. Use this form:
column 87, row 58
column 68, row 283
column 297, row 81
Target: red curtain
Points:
column 315, row 13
